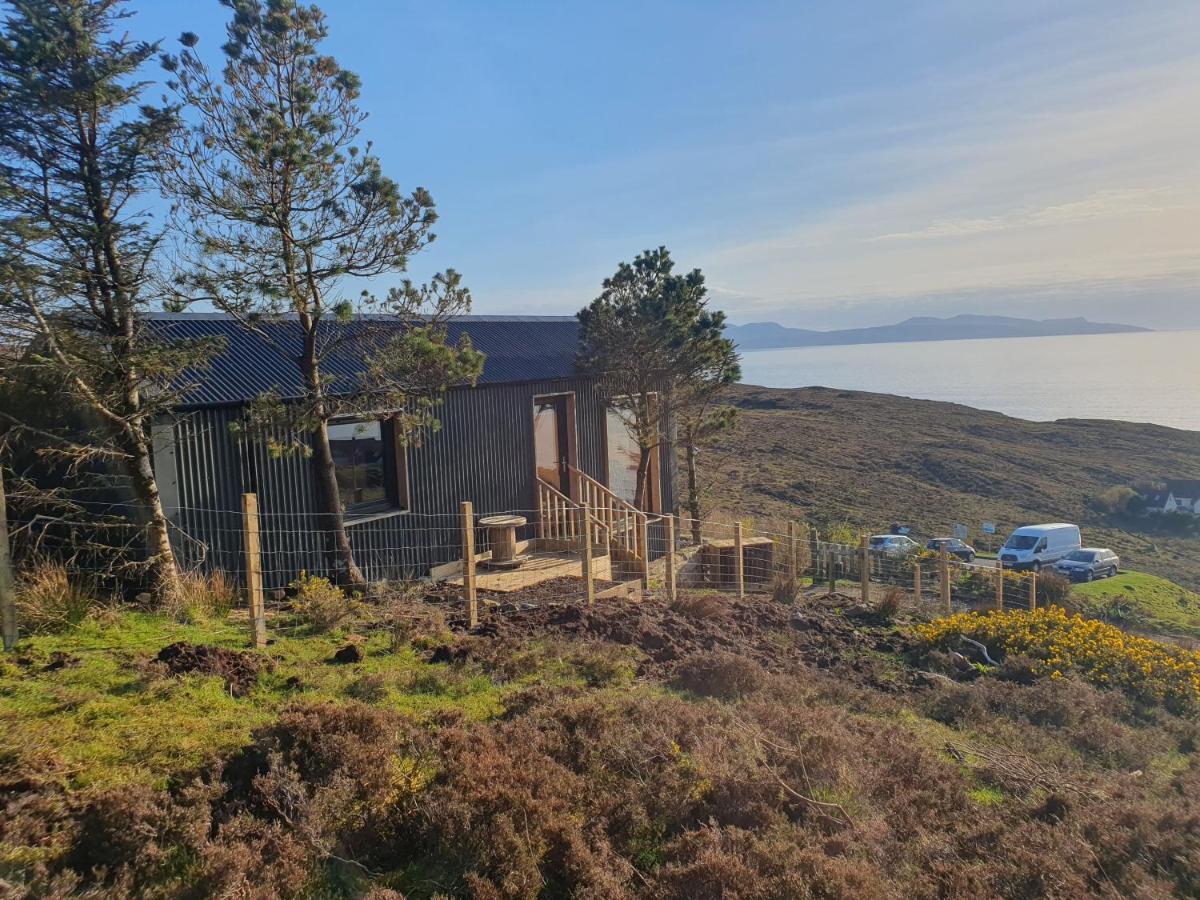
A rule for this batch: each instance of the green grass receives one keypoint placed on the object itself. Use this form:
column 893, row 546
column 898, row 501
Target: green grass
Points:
column 103, row 720
column 1154, row 602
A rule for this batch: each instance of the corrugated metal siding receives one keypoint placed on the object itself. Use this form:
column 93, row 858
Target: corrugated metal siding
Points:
column 209, row 470
column 482, row 453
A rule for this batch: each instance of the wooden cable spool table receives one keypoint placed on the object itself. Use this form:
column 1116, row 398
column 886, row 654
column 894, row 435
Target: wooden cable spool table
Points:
column 502, row 535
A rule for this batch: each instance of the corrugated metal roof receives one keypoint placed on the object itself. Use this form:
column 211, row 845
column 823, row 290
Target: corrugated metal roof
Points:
column 517, row 348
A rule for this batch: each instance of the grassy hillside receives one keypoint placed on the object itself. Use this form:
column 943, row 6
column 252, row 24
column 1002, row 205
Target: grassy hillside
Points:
column 1143, row 600
column 706, row 748
column 872, row 459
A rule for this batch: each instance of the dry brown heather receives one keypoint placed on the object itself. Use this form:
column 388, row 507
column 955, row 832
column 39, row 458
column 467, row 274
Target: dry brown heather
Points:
column 871, row 459
column 741, row 750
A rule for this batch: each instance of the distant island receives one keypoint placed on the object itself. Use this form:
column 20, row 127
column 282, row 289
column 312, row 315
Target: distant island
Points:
column 771, row 335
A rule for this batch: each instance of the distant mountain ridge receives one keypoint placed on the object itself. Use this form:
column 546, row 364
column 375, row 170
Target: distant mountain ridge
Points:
column 771, row 335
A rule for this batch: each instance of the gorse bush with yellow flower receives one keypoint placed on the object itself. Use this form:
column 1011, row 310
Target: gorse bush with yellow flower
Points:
column 1061, row 644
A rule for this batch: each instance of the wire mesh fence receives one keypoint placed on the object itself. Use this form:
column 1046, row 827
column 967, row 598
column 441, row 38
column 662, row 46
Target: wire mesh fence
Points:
column 480, row 563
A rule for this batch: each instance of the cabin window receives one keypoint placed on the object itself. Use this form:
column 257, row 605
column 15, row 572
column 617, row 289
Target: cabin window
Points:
column 371, row 466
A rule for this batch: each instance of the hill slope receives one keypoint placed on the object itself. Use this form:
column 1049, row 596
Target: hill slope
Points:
column 872, row 459
column 713, row 747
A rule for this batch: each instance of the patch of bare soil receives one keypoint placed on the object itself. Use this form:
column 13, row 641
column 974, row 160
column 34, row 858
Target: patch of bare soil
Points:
column 239, row 669
column 832, row 632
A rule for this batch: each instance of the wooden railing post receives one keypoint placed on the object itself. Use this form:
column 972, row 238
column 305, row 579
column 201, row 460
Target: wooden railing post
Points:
column 670, row 520
column 814, row 552
column 467, row 516
column 793, row 555
column 739, row 563
column 254, row 580
column 864, row 568
column 1000, row 587
column 644, row 549
column 8, row 599
column 917, row 591
column 944, row 578
column 1032, row 591
column 585, row 528
column 831, row 571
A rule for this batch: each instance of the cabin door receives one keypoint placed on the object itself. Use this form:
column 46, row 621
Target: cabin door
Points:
column 553, row 440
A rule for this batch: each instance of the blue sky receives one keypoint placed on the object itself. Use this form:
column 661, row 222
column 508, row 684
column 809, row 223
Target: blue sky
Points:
column 825, row 164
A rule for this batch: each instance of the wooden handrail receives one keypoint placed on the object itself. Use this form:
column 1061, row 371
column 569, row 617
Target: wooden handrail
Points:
column 557, row 514
column 623, row 522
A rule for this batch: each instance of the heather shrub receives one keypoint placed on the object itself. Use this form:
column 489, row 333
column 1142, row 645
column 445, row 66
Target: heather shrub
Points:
column 719, row 674
column 1103, row 726
column 1052, row 589
column 603, row 665
column 253, row 859
column 131, row 833
column 49, row 600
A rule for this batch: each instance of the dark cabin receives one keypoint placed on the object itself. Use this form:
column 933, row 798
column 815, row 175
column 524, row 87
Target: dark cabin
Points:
column 533, row 427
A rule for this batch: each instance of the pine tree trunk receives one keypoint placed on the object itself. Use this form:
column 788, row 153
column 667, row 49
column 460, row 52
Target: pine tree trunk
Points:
column 331, row 517
column 329, row 508
column 164, row 569
column 641, row 492
column 693, row 498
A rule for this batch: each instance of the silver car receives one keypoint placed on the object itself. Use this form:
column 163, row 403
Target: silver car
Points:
column 893, row 545
column 1088, row 564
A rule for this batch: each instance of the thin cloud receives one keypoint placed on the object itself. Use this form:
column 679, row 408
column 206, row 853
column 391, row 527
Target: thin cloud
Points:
column 1082, row 172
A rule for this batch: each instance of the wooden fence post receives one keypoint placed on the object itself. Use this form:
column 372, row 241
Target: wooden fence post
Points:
column 739, row 564
column 254, row 580
column 1000, row 587
column 644, row 539
column 864, row 568
column 814, row 551
column 670, row 520
column 585, row 528
column 793, row 555
column 467, row 515
column 831, row 571
column 917, row 581
column 8, row 600
column 1032, row 591
column 944, row 573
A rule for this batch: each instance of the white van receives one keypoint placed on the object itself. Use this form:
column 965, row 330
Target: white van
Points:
column 1035, row 546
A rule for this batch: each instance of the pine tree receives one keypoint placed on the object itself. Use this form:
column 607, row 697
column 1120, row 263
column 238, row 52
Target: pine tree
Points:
column 652, row 337
column 77, row 250
column 284, row 208
column 700, row 417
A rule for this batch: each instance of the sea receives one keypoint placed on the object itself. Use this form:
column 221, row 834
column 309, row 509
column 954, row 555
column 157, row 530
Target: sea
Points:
column 1134, row 377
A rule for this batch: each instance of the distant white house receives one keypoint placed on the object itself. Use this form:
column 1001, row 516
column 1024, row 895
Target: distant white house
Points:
column 1181, row 495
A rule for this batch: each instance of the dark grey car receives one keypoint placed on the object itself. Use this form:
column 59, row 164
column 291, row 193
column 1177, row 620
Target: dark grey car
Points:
column 1088, row 564
column 954, row 547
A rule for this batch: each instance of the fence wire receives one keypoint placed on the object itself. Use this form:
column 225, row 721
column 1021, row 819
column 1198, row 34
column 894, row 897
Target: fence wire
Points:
column 521, row 561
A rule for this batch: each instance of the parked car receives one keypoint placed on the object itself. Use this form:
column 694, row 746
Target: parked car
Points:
column 1088, row 564
column 954, row 547
column 893, row 545
column 1035, row 546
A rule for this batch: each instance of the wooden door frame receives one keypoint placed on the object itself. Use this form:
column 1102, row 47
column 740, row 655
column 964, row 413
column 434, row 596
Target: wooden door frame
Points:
column 572, row 440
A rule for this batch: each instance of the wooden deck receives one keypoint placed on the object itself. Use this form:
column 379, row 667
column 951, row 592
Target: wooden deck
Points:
column 539, row 566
